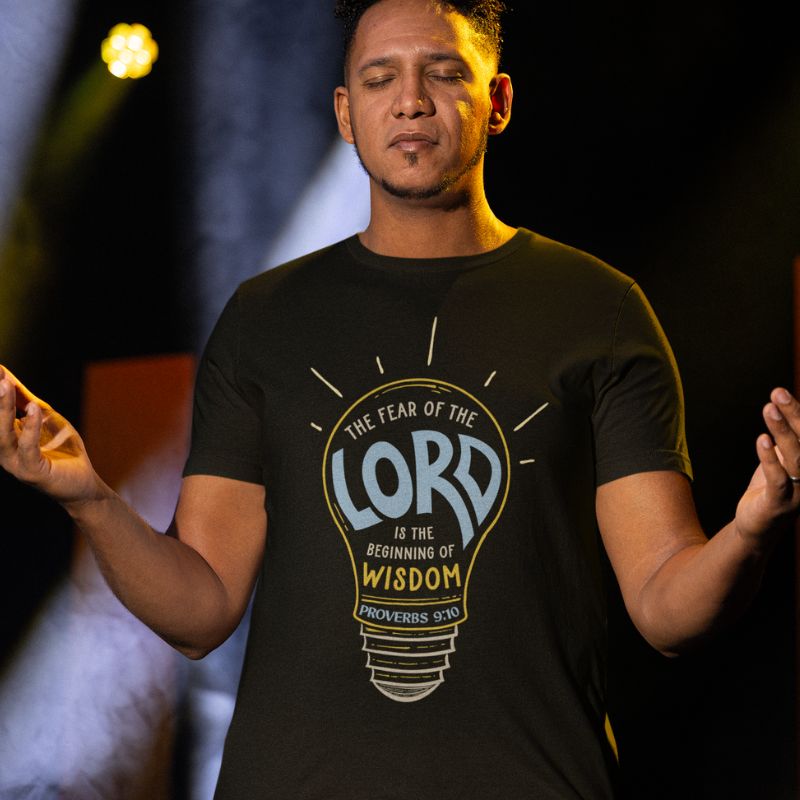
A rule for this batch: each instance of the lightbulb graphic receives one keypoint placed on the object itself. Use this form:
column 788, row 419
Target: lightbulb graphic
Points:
column 415, row 474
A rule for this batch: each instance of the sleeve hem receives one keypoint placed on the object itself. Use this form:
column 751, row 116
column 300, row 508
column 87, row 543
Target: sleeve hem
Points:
column 652, row 461
column 223, row 468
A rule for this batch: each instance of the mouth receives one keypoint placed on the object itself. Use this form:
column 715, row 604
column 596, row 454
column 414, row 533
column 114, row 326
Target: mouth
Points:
column 411, row 141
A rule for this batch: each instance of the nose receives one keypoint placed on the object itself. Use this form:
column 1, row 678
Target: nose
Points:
column 412, row 100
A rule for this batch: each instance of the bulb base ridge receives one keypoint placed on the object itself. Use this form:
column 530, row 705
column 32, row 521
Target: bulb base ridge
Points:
column 409, row 665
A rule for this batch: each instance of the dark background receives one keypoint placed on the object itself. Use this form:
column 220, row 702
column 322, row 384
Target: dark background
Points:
column 665, row 139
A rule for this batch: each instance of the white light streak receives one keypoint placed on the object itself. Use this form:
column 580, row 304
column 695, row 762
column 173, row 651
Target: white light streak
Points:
column 433, row 338
column 526, row 421
column 328, row 383
column 489, row 379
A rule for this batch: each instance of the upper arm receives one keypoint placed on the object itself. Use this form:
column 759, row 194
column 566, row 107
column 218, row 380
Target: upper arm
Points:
column 225, row 521
column 645, row 519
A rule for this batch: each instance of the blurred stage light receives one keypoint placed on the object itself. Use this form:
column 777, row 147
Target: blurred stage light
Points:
column 129, row 51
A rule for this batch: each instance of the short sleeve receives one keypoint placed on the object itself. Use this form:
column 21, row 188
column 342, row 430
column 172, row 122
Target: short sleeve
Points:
column 638, row 416
column 226, row 430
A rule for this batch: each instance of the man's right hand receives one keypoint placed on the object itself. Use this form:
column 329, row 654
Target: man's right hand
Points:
column 39, row 447
column 191, row 587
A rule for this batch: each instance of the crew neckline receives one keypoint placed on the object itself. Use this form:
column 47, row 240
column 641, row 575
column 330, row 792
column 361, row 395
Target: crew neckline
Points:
column 443, row 264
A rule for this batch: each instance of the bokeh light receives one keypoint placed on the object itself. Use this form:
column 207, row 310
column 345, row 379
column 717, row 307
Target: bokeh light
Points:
column 129, row 51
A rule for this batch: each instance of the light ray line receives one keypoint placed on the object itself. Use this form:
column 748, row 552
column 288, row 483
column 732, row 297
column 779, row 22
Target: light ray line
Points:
column 526, row 421
column 328, row 384
column 380, row 366
column 489, row 379
column 528, row 461
column 316, row 427
column 433, row 338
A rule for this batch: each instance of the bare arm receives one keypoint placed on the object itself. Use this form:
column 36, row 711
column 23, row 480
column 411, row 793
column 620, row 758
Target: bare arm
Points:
column 678, row 586
column 190, row 587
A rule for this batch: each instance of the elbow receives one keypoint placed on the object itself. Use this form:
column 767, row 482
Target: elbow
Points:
column 670, row 644
column 665, row 648
column 669, row 652
column 666, row 639
column 196, row 643
column 193, row 653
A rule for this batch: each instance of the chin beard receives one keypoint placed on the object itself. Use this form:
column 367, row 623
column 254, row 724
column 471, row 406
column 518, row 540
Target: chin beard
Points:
column 447, row 182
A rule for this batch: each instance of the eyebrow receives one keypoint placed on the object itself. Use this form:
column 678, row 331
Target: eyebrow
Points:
column 387, row 60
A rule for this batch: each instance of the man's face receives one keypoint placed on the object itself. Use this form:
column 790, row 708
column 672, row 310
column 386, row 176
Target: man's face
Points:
column 418, row 101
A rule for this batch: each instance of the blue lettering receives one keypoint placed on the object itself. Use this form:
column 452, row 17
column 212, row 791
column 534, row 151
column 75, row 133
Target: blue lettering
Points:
column 359, row 518
column 482, row 502
column 392, row 506
column 428, row 477
column 429, row 480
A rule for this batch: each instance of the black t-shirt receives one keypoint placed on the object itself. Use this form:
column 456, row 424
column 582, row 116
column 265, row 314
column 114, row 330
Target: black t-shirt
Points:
column 429, row 620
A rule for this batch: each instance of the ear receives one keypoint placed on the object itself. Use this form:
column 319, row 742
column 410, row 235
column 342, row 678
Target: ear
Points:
column 341, row 107
column 501, row 95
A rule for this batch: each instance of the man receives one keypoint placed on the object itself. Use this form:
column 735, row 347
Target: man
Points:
column 437, row 416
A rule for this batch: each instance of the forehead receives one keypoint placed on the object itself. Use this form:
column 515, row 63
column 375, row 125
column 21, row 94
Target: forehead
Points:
column 396, row 28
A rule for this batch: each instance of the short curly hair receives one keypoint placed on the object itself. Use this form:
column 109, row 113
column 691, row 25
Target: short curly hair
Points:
column 483, row 15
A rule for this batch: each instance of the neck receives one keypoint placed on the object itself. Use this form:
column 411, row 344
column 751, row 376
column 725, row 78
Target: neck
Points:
column 432, row 228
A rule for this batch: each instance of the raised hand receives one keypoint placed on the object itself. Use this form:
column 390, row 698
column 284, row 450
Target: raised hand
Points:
column 773, row 495
column 39, row 447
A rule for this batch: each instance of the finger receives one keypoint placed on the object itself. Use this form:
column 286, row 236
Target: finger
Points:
column 8, row 436
column 778, row 482
column 28, row 448
column 15, row 396
column 7, row 383
column 788, row 406
column 6, row 387
column 779, row 423
column 23, row 394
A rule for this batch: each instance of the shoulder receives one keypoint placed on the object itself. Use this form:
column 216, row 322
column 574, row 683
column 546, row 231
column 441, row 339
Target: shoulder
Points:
column 269, row 297
column 305, row 269
column 564, row 259
column 288, row 289
column 566, row 275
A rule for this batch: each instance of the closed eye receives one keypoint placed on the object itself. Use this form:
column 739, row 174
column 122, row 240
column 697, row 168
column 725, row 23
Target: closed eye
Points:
column 376, row 83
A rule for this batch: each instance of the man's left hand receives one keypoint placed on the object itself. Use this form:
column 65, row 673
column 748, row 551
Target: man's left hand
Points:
column 773, row 496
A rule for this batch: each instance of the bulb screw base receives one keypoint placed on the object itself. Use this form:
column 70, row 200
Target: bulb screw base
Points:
column 407, row 666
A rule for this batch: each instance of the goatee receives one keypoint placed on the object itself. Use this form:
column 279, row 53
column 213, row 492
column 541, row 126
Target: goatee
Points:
column 446, row 182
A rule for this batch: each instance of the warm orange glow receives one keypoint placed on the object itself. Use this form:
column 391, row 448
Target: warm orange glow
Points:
column 129, row 51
